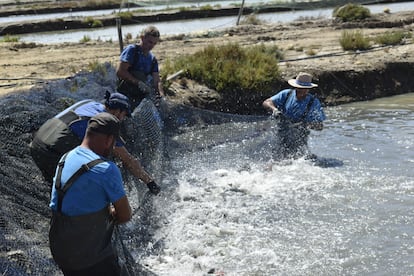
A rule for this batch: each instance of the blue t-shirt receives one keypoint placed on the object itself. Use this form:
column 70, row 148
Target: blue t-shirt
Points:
column 93, row 190
column 294, row 109
column 86, row 109
column 144, row 63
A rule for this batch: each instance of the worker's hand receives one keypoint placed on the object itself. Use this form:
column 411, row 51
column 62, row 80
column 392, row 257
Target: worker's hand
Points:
column 158, row 99
column 146, row 89
column 300, row 125
column 303, row 126
column 276, row 113
column 154, row 188
column 112, row 212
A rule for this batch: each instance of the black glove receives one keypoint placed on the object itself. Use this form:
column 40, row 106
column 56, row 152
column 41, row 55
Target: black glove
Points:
column 154, row 188
column 157, row 100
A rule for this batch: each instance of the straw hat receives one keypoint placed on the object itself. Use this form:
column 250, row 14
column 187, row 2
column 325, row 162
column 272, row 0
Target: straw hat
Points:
column 303, row 80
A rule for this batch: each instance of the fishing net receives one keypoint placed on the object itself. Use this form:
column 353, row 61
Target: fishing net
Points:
column 153, row 134
column 134, row 239
column 24, row 195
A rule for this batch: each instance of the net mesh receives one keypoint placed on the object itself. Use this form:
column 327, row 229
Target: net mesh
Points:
column 24, row 195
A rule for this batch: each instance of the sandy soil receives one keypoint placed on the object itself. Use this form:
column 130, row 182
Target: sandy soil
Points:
column 23, row 65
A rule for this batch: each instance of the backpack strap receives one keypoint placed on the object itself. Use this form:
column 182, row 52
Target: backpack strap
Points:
column 308, row 107
column 136, row 56
column 70, row 117
column 58, row 185
column 287, row 97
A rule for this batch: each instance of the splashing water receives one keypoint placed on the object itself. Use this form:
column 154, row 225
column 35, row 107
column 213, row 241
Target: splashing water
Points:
column 226, row 208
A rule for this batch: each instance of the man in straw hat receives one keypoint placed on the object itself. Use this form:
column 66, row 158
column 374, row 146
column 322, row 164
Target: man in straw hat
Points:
column 296, row 111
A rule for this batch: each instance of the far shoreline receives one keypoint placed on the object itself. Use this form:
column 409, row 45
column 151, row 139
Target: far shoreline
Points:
column 343, row 77
column 62, row 24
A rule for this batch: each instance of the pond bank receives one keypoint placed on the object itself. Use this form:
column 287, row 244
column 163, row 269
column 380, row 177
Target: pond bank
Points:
column 342, row 76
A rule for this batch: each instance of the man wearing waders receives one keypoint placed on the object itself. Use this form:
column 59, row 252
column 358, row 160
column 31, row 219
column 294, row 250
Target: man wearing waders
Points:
column 67, row 129
column 296, row 112
column 87, row 201
column 138, row 72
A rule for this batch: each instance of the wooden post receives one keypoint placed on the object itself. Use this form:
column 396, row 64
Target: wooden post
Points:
column 120, row 40
column 240, row 13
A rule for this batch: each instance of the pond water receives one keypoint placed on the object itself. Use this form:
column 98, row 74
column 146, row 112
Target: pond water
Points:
column 349, row 213
column 226, row 207
column 147, row 7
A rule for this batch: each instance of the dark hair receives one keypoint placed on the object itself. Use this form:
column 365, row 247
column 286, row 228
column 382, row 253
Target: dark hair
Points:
column 117, row 101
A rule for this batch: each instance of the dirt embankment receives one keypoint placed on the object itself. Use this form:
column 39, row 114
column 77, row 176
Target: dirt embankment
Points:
column 342, row 76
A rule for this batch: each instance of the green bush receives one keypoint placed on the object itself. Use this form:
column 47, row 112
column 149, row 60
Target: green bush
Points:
column 207, row 7
column 351, row 12
column 98, row 67
column 97, row 23
column 125, row 15
column 354, row 40
column 85, row 39
column 88, row 20
column 392, row 38
column 230, row 67
column 10, row 38
column 251, row 19
column 127, row 38
column 93, row 22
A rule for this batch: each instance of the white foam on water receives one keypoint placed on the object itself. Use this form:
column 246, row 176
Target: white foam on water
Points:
column 346, row 214
column 242, row 222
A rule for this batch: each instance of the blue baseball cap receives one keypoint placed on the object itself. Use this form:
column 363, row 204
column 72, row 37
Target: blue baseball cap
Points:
column 118, row 101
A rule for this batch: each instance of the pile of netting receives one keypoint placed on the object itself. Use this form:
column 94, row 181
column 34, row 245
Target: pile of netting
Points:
column 24, row 195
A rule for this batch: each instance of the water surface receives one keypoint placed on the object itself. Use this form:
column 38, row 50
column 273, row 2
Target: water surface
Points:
column 192, row 26
column 349, row 213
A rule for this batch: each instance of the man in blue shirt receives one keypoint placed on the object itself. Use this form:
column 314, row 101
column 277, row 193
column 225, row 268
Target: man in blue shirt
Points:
column 87, row 201
column 297, row 111
column 67, row 129
column 138, row 70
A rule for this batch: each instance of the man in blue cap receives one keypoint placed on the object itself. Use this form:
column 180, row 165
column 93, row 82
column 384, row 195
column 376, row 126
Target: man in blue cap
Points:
column 66, row 130
column 87, row 201
column 296, row 111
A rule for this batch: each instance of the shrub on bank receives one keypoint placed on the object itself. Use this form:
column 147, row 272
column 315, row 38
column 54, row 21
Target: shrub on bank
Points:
column 230, row 67
column 126, row 15
column 10, row 38
column 251, row 19
column 85, row 39
column 94, row 23
column 392, row 38
column 354, row 40
column 351, row 12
